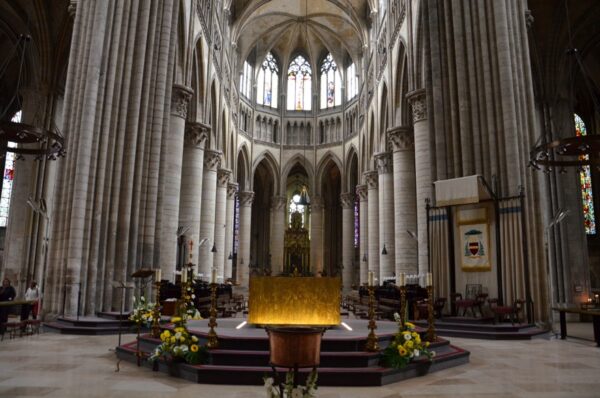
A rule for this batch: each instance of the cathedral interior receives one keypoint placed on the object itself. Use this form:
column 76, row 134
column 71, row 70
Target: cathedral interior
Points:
column 273, row 137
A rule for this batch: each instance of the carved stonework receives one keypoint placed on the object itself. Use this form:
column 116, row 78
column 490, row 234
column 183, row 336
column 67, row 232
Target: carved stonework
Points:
column 529, row 19
column 223, row 176
column 372, row 179
column 398, row 13
column 212, row 159
column 384, row 162
column 401, row 138
column 246, row 198
column 180, row 99
column 362, row 192
column 382, row 53
column 195, row 135
column 204, row 9
column 278, row 203
column 316, row 203
column 232, row 189
column 418, row 103
column 72, row 8
column 347, row 200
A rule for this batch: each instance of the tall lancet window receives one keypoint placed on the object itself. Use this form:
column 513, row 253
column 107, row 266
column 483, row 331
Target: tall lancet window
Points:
column 331, row 83
column 351, row 82
column 246, row 80
column 267, row 82
column 585, row 180
column 7, row 180
column 299, row 85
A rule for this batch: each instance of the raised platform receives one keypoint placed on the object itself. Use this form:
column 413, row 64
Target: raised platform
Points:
column 483, row 328
column 104, row 323
column 243, row 356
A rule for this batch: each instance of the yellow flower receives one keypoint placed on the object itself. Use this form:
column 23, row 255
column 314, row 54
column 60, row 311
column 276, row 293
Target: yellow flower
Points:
column 402, row 351
column 167, row 333
column 173, row 340
column 179, row 329
column 409, row 325
column 409, row 344
column 194, row 339
column 194, row 348
column 418, row 339
column 427, row 344
column 175, row 319
column 182, row 339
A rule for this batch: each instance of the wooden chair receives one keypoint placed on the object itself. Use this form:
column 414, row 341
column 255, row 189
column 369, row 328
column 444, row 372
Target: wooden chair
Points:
column 438, row 306
column 502, row 312
column 480, row 302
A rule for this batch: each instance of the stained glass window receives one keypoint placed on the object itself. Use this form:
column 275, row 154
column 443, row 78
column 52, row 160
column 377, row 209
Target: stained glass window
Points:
column 246, row 80
column 585, row 179
column 7, row 180
column 331, row 93
column 299, row 85
column 294, row 206
column 266, row 86
column 351, row 82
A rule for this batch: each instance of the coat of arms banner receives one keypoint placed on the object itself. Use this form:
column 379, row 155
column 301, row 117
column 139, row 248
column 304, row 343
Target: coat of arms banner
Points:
column 474, row 233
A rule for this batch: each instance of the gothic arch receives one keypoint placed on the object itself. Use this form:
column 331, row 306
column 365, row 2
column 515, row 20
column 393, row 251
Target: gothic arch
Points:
column 401, row 110
column 267, row 159
column 324, row 164
column 303, row 162
column 383, row 121
column 212, row 114
column 350, row 170
column 243, row 168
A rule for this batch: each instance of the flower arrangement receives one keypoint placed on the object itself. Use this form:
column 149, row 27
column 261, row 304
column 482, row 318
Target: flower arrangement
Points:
column 289, row 391
column 179, row 344
column 143, row 312
column 405, row 347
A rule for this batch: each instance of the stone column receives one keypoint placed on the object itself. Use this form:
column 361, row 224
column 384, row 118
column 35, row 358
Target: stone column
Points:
column 316, row 234
column 386, row 214
column 173, row 174
column 246, row 199
column 374, row 250
column 405, row 211
column 278, row 225
column 191, row 184
column 347, row 200
column 418, row 102
column 212, row 160
column 220, row 215
column 362, row 192
column 232, row 188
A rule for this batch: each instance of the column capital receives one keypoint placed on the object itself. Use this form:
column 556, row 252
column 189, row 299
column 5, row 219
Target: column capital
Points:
column 232, row 189
column 418, row 103
column 401, row 138
column 246, row 198
column 372, row 179
column 347, row 200
column 72, row 8
column 278, row 202
column 212, row 159
column 223, row 176
column 195, row 134
column 180, row 98
column 316, row 203
column 384, row 162
column 362, row 192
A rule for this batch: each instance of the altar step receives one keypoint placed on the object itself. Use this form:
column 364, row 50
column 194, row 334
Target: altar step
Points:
column 104, row 323
column 248, row 367
column 486, row 331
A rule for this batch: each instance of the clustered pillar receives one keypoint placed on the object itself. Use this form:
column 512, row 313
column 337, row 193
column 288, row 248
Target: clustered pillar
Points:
column 212, row 160
column 347, row 201
column 372, row 181
column 246, row 199
column 363, row 197
column 277, row 233
column 386, row 210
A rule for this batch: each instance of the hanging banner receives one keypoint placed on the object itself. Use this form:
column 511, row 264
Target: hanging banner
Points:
column 474, row 233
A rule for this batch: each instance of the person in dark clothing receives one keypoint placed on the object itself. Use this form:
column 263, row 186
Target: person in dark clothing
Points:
column 7, row 293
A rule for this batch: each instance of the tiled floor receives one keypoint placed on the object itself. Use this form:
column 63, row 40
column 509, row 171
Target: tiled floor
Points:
column 53, row 365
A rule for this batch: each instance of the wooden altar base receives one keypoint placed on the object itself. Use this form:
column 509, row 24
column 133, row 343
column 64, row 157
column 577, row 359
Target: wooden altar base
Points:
column 243, row 356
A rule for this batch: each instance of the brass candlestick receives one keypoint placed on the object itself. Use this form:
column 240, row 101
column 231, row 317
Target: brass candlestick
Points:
column 213, row 341
column 402, row 306
column 372, row 343
column 156, row 312
column 430, row 319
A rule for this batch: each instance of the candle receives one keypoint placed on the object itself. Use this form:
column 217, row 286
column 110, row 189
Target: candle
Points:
column 401, row 279
column 157, row 275
column 213, row 275
column 184, row 275
column 429, row 279
column 370, row 278
column 191, row 246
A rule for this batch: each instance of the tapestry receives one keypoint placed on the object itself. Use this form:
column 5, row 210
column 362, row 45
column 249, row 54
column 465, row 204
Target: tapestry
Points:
column 474, row 241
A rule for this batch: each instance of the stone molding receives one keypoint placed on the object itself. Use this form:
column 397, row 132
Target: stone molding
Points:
column 401, row 138
column 223, row 176
column 372, row 179
column 232, row 189
column 384, row 162
column 316, row 203
column 362, row 192
column 180, row 98
column 195, row 134
column 418, row 104
column 246, row 198
column 347, row 200
column 278, row 202
column 72, row 8
column 212, row 159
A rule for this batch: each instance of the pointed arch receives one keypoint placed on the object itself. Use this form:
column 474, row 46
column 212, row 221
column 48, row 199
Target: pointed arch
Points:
column 302, row 161
column 196, row 106
column 383, row 120
column 401, row 110
column 270, row 163
column 351, row 170
column 324, row 164
column 212, row 114
column 243, row 168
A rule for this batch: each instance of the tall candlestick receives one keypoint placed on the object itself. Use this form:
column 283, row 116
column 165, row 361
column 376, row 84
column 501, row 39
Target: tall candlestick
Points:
column 429, row 279
column 401, row 279
column 213, row 275
column 157, row 275
column 191, row 251
column 184, row 274
column 370, row 278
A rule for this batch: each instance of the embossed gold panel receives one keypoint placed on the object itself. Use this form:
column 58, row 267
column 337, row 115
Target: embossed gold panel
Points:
column 276, row 300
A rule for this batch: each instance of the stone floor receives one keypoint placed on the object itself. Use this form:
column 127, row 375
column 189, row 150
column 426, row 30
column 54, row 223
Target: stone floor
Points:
column 54, row 365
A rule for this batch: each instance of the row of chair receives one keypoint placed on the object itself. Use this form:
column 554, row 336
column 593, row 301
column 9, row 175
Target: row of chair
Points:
column 21, row 328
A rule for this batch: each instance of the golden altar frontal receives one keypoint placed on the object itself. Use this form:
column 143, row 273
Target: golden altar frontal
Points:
column 278, row 300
